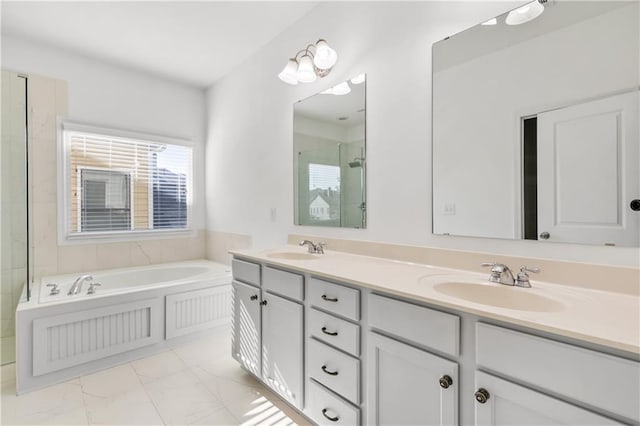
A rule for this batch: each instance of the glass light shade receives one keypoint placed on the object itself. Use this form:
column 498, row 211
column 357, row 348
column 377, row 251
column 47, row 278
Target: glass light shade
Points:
column 306, row 72
column 290, row 73
column 360, row 78
column 492, row 21
column 341, row 89
column 525, row 13
column 325, row 56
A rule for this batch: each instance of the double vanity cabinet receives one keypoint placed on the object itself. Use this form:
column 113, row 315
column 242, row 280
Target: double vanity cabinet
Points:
column 345, row 354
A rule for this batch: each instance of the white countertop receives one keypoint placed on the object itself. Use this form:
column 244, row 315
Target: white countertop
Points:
column 600, row 317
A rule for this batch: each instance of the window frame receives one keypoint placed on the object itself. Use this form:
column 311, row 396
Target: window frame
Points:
column 132, row 206
column 65, row 236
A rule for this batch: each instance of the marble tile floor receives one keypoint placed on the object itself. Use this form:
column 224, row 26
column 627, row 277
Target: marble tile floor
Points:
column 197, row 383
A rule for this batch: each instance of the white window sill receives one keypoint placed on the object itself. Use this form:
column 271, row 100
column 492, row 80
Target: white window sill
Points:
column 124, row 236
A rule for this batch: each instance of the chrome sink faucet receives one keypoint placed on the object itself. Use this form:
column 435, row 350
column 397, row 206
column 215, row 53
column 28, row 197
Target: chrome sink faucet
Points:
column 313, row 248
column 77, row 285
column 501, row 274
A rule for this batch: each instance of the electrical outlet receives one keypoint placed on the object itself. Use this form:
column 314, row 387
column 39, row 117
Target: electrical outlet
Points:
column 449, row 209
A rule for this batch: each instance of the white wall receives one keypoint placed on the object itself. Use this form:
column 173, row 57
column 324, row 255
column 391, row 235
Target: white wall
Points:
column 94, row 92
column 249, row 140
column 480, row 103
column 112, row 96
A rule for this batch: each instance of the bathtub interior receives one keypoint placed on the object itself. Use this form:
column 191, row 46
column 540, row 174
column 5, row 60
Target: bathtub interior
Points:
column 136, row 278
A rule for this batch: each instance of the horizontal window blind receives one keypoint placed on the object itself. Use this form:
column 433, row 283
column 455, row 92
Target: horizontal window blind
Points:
column 117, row 184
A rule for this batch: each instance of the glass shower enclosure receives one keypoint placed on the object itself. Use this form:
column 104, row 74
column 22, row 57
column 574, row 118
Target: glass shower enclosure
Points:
column 14, row 195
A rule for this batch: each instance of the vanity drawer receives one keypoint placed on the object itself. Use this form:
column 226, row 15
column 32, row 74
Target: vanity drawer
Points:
column 335, row 331
column 324, row 407
column 324, row 360
column 283, row 283
column 427, row 327
column 603, row 381
column 341, row 300
column 247, row 272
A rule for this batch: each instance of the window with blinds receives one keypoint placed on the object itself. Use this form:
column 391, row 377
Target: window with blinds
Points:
column 324, row 192
column 118, row 184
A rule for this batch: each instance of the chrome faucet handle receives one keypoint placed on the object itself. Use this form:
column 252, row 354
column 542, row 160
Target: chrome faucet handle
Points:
column 523, row 278
column 92, row 289
column 54, row 289
column 320, row 247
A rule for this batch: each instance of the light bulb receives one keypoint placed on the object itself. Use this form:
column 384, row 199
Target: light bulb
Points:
column 325, row 56
column 525, row 13
column 360, row 78
column 340, row 89
column 290, row 73
column 306, row 73
column 492, row 21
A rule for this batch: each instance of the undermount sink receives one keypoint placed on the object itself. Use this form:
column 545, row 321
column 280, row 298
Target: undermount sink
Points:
column 500, row 296
column 292, row 255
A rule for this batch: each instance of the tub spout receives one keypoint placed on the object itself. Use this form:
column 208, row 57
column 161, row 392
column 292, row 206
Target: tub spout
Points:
column 77, row 285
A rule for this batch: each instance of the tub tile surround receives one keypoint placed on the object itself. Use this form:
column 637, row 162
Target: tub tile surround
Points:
column 49, row 101
column 190, row 389
column 219, row 244
column 594, row 314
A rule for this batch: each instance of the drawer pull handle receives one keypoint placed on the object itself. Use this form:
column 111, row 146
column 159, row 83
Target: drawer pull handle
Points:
column 331, row 373
column 445, row 381
column 254, row 297
column 333, row 419
column 482, row 395
column 263, row 303
column 329, row 299
column 330, row 333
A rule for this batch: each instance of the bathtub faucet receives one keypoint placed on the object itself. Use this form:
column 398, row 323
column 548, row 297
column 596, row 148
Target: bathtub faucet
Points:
column 77, row 285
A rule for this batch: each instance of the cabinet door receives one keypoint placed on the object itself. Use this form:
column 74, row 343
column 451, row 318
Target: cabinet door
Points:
column 511, row 404
column 404, row 385
column 246, row 326
column 282, row 350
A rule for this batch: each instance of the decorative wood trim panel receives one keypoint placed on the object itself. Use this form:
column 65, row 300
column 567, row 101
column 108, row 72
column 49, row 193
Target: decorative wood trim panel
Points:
column 197, row 310
column 67, row 340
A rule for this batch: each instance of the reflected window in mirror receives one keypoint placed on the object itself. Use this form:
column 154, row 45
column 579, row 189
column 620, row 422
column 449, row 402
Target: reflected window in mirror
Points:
column 329, row 158
column 535, row 126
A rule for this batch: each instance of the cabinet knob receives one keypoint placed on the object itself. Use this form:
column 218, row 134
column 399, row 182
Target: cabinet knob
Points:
column 254, row 297
column 445, row 381
column 545, row 235
column 263, row 303
column 482, row 395
column 328, row 417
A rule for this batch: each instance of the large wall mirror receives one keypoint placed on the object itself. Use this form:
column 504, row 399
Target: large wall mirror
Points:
column 535, row 125
column 329, row 159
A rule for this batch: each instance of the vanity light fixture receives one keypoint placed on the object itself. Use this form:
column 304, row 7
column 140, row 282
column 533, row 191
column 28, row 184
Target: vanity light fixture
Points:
column 316, row 60
column 526, row 13
column 492, row 21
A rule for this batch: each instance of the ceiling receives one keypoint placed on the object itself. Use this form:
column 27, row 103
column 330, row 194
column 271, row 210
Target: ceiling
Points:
column 339, row 110
column 194, row 43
